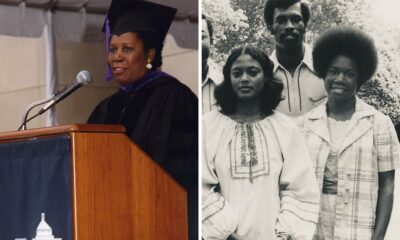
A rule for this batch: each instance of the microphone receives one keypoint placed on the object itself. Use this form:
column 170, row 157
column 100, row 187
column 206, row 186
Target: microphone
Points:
column 83, row 78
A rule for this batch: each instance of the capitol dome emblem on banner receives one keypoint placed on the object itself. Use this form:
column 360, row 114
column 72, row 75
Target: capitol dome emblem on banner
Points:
column 43, row 231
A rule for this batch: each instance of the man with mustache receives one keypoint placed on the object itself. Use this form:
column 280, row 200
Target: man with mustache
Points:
column 303, row 90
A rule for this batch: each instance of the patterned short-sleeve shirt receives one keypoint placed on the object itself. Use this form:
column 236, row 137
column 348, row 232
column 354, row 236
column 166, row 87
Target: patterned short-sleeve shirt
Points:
column 370, row 147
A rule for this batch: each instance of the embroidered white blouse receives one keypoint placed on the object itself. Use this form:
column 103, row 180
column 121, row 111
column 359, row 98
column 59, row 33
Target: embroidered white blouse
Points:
column 257, row 179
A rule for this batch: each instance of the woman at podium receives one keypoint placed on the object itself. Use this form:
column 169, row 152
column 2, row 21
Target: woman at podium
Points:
column 160, row 113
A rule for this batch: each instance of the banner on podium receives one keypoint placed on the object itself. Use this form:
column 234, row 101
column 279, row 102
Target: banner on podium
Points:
column 35, row 189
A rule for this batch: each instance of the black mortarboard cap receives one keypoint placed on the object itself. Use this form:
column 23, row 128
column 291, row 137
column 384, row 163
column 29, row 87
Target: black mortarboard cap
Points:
column 131, row 16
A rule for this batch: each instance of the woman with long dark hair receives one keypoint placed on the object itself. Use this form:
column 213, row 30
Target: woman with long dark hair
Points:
column 258, row 181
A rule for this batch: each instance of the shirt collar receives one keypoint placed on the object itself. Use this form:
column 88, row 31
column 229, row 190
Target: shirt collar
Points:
column 207, row 81
column 212, row 74
column 362, row 110
column 307, row 59
column 144, row 81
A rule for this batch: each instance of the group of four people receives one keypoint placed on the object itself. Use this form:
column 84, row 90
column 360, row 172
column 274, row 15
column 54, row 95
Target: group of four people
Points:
column 331, row 175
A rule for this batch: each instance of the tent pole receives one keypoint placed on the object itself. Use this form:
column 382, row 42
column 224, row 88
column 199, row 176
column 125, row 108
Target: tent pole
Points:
column 51, row 71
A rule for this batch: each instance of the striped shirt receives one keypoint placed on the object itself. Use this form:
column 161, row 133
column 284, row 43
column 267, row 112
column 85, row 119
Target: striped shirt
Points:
column 213, row 78
column 208, row 101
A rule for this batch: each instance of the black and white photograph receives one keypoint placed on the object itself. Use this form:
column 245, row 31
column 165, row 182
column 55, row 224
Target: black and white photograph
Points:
column 300, row 108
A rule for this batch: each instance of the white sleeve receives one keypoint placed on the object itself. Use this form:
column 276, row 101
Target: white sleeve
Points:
column 219, row 221
column 299, row 191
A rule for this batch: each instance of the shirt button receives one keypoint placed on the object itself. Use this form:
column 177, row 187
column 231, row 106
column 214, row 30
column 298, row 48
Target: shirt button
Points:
column 348, row 174
column 346, row 202
column 347, row 189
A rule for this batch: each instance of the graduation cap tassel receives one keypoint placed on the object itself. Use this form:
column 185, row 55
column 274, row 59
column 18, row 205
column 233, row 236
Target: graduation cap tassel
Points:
column 109, row 75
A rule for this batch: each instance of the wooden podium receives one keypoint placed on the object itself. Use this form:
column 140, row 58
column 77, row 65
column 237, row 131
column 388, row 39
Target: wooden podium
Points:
column 116, row 190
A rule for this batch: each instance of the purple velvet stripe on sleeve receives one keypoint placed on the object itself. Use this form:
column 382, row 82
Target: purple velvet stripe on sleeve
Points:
column 109, row 75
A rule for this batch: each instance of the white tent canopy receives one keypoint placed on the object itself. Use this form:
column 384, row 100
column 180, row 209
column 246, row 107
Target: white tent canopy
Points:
column 82, row 20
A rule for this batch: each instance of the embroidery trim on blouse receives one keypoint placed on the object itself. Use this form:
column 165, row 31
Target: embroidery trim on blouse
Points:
column 249, row 152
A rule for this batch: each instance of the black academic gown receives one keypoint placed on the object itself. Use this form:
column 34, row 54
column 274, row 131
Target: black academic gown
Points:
column 162, row 119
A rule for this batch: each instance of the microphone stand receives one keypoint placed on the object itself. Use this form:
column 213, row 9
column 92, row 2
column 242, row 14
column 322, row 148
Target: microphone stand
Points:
column 83, row 78
column 25, row 119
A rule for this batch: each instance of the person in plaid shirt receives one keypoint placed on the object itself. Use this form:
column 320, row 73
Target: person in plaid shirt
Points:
column 353, row 147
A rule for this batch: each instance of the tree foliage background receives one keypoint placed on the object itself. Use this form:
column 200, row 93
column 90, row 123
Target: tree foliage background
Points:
column 238, row 23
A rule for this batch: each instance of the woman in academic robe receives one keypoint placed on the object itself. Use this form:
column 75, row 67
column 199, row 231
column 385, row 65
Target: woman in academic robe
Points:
column 159, row 113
